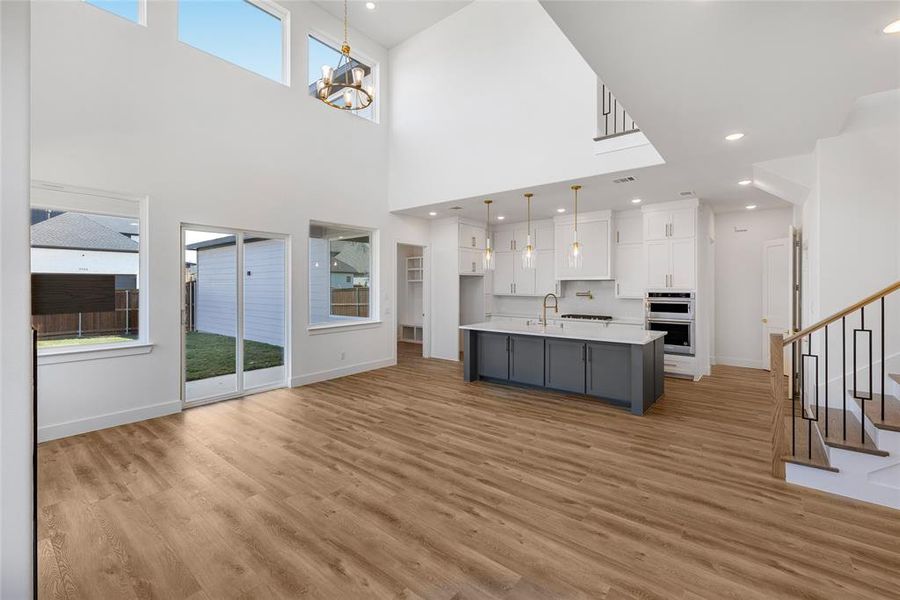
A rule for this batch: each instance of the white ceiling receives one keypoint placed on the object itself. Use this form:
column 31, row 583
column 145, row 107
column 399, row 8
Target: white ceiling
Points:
column 783, row 73
column 392, row 21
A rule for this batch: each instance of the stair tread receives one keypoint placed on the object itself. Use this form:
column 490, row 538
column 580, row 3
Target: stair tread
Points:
column 837, row 438
column 819, row 458
column 891, row 420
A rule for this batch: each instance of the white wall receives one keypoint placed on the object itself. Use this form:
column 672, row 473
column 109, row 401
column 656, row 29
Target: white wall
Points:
column 16, row 490
column 210, row 144
column 444, row 296
column 61, row 260
column 492, row 98
column 604, row 302
column 739, row 282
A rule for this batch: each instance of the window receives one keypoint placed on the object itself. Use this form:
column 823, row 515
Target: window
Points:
column 340, row 275
column 252, row 34
column 86, row 270
column 133, row 10
column 321, row 54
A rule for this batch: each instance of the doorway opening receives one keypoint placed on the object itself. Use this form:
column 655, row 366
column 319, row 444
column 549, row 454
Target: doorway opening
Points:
column 235, row 313
column 411, row 313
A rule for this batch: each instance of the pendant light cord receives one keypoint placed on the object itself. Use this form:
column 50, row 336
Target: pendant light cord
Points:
column 345, row 23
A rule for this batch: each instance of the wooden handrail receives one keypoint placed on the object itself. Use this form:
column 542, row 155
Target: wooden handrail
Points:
column 840, row 314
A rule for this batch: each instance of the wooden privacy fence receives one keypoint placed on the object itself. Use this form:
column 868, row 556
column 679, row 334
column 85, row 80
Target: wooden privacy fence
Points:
column 121, row 321
column 350, row 302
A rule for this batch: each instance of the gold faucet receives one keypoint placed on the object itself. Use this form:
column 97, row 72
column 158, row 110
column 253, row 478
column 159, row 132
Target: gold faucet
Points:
column 555, row 307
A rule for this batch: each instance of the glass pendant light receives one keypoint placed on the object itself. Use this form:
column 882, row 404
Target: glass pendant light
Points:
column 528, row 252
column 576, row 250
column 487, row 258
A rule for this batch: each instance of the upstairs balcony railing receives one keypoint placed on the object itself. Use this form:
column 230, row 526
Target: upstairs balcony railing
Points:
column 612, row 118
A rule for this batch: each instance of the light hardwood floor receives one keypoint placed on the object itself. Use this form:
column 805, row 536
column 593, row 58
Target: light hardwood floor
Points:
column 409, row 483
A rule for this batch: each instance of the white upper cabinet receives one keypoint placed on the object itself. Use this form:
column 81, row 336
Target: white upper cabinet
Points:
column 629, row 228
column 504, row 240
column 683, row 223
column 630, row 272
column 684, row 260
column 670, row 247
column 594, row 238
column 656, row 226
column 471, row 236
column 470, row 262
column 543, row 236
column 504, row 273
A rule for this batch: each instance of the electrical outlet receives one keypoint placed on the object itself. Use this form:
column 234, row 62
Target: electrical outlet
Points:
column 343, row 355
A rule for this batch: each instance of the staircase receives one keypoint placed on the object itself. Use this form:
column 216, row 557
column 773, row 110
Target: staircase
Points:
column 836, row 415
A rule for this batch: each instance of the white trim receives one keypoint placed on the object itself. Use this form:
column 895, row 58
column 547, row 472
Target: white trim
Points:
column 141, row 16
column 239, row 235
column 46, row 194
column 351, row 326
column 301, row 380
column 104, row 421
column 53, row 356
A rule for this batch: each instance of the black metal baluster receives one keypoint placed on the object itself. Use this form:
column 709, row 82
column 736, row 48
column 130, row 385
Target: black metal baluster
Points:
column 844, row 369
column 794, row 353
column 826, row 380
column 883, row 394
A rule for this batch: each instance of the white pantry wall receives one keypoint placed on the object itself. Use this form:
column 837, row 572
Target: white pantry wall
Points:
column 492, row 98
column 118, row 106
column 739, row 282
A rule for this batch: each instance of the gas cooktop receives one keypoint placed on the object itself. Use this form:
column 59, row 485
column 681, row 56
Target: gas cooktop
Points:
column 588, row 317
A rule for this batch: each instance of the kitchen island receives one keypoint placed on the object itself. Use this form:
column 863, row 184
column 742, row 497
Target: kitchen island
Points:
column 619, row 364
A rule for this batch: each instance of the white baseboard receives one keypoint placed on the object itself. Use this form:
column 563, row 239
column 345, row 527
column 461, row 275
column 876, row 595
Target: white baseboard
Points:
column 342, row 371
column 122, row 417
column 739, row 362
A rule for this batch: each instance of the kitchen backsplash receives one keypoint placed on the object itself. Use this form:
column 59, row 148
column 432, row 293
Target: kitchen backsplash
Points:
column 603, row 303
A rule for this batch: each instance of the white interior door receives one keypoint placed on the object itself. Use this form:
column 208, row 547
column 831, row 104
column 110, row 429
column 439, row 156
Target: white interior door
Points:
column 776, row 317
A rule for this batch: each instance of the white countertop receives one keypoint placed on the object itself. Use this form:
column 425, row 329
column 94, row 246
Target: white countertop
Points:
column 595, row 332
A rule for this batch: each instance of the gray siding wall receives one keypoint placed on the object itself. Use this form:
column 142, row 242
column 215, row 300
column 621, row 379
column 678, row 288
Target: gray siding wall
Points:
column 263, row 291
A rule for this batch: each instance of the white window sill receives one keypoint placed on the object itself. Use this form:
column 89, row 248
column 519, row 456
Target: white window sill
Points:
column 52, row 356
column 335, row 327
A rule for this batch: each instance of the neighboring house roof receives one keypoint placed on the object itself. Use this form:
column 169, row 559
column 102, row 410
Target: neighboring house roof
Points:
column 123, row 225
column 339, row 267
column 78, row 232
column 353, row 254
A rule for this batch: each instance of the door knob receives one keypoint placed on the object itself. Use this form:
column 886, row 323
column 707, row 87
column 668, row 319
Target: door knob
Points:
column 765, row 320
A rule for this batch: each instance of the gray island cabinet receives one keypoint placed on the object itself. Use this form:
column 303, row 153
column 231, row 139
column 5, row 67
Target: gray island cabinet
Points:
column 619, row 364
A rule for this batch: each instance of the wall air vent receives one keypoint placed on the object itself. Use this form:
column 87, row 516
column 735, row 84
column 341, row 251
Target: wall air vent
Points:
column 686, row 194
column 628, row 179
column 456, row 208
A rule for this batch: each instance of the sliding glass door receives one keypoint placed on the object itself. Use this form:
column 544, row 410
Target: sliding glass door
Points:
column 234, row 313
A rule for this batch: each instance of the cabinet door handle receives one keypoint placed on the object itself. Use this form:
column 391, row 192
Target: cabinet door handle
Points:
column 473, row 266
column 617, row 289
column 510, row 288
column 590, row 352
column 507, row 344
column 617, row 237
column 582, row 354
column 473, row 241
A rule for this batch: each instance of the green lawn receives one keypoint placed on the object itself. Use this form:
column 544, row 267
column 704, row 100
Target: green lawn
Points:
column 211, row 355
column 80, row 341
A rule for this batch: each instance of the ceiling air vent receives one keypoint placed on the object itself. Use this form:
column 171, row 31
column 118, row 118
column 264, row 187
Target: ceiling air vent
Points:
column 456, row 208
column 628, row 179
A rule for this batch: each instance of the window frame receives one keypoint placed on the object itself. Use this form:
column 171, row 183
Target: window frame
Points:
column 141, row 16
column 274, row 9
column 374, row 318
column 55, row 196
column 373, row 64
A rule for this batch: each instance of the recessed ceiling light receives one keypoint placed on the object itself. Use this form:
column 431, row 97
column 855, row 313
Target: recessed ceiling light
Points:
column 733, row 137
column 500, row 218
column 370, row 5
column 893, row 27
column 560, row 210
column 636, row 201
column 745, row 182
column 750, row 206
column 432, row 214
